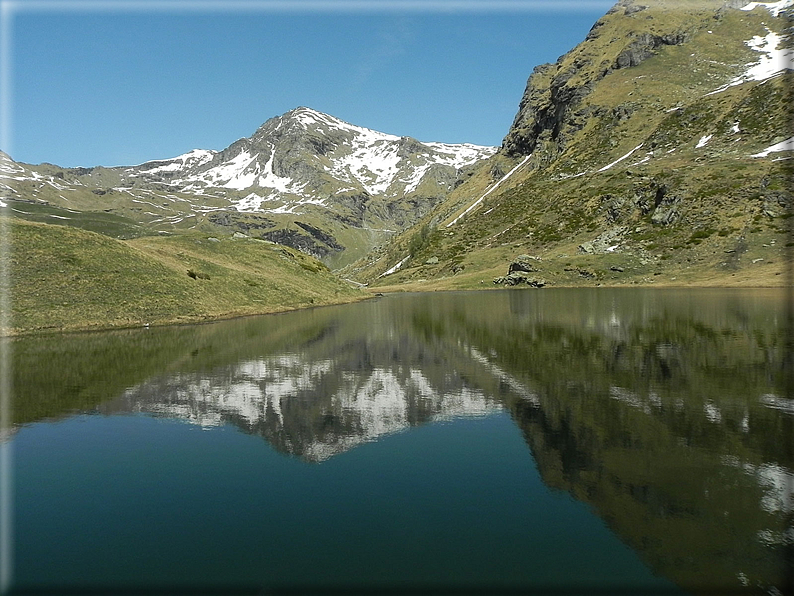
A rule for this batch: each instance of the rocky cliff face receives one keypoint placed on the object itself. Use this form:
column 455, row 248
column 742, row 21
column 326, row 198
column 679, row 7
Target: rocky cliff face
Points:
column 551, row 111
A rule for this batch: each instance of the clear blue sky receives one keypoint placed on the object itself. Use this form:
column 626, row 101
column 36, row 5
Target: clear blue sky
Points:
column 123, row 83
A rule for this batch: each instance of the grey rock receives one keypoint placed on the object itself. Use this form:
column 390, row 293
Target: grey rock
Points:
column 645, row 46
column 320, row 235
column 666, row 211
column 631, row 9
column 432, row 261
column 606, row 242
column 517, row 278
column 296, row 239
column 521, row 263
column 517, row 273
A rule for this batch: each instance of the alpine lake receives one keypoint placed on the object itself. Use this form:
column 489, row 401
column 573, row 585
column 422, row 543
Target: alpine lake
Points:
column 576, row 441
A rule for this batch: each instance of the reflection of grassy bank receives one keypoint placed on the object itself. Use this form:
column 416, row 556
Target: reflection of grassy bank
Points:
column 650, row 409
column 54, row 376
column 645, row 404
column 66, row 279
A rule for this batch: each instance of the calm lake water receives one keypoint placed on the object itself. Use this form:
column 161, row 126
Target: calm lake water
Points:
column 560, row 439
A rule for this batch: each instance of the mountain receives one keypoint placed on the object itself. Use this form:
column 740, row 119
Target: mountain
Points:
column 305, row 157
column 313, row 410
column 656, row 151
column 304, row 179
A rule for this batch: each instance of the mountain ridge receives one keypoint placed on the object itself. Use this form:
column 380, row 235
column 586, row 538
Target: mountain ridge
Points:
column 646, row 154
column 333, row 176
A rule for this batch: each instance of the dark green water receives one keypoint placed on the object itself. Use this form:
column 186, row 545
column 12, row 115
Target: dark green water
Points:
column 561, row 440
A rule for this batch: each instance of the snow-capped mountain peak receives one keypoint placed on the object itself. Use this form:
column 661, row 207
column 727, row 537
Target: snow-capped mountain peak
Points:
column 305, row 179
column 306, row 156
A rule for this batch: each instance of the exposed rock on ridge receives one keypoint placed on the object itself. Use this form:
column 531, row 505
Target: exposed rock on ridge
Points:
column 547, row 114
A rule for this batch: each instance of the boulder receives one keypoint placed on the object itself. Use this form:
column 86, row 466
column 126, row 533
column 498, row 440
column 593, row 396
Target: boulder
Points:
column 522, row 263
column 516, row 278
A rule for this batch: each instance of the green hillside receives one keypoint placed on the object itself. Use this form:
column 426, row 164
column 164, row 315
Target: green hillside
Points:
column 64, row 278
column 640, row 159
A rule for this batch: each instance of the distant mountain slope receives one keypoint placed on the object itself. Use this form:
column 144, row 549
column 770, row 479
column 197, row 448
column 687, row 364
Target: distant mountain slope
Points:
column 657, row 150
column 303, row 179
column 306, row 156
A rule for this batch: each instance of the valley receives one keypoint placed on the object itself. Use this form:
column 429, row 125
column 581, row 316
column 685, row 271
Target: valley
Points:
column 656, row 152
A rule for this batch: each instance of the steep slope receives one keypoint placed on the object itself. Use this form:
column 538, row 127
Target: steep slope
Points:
column 656, row 151
column 304, row 179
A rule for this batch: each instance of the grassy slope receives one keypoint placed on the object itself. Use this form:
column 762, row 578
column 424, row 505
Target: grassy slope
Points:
column 66, row 278
column 732, row 226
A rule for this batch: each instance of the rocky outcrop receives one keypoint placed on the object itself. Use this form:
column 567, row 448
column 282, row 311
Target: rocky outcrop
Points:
column 645, row 46
column 667, row 211
column 606, row 242
column 299, row 241
column 320, row 235
column 518, row 273
column 551, row 109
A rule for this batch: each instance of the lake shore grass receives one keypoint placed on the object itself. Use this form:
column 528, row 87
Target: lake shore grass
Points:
column 67, row 279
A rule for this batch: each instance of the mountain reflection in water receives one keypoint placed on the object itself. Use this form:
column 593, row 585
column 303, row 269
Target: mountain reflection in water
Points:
column 666, row 411
column 312, row 409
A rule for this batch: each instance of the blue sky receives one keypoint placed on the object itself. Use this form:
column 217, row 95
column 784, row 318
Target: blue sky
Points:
column 118, row 83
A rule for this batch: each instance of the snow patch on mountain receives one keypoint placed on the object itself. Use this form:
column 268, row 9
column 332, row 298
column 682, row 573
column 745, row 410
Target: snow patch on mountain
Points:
column 293, row 207
column 774, row 7
column 619, row 159
column 775, row 58
column 787, row 145
column 461, row 155
column 190, row 159
column 234, row 173
column 491, row 189
column 396, row 267
column 703, row 141
column 311, row 118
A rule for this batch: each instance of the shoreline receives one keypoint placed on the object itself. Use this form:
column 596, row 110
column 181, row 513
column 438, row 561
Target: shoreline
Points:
column 179, row 321
column 371, row 293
